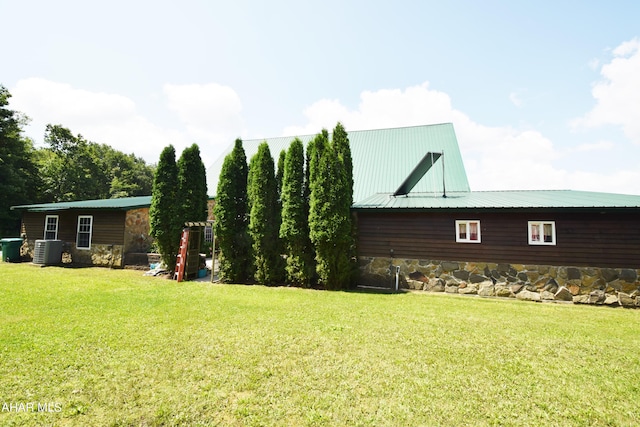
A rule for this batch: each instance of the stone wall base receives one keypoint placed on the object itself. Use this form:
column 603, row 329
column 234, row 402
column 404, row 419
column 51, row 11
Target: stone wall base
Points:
column 580, row 285
column 98, row 255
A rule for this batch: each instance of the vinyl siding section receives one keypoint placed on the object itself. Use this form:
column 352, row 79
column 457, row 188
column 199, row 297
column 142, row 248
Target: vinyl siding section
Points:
column 610, row 239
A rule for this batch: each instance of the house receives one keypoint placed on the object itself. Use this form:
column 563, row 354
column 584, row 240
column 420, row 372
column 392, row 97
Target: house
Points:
column 505, row 241
column 96, row 232
column 418, row 222
column 106, row 232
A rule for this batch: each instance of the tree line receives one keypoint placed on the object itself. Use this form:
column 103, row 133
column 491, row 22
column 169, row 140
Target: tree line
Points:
column 291, row 226
column 67, row 168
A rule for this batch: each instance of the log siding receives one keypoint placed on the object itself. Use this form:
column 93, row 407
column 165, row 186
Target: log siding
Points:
column 583, row 238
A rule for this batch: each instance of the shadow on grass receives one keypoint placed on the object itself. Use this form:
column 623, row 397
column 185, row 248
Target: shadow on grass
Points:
column 363, row 289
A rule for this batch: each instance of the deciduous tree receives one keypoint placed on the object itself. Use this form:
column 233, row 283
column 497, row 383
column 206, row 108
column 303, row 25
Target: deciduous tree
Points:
column 19, row 179
column 77, row 166
column 73, row 168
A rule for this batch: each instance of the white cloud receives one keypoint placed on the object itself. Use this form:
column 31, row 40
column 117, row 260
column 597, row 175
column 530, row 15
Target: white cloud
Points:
column 596, row 146
column 515, row 99
column 617, row 94
column 496, row 158
column 210, row 112
column 104, row 118
column 377, row 110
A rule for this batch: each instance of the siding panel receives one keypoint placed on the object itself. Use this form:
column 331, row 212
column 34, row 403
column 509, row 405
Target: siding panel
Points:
column 610, row 239
column 108, row 226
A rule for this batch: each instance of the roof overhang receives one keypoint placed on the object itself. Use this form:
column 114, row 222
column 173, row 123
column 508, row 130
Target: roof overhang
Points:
column 126, row 203
column 530, row 200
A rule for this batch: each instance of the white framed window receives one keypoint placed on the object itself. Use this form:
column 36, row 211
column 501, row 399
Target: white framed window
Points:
column 208, row 234
column 51, row 227
column 542, row 232
column 83, row 238
column 468, row 231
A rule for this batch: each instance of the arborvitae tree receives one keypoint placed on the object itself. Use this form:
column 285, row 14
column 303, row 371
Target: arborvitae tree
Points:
column 330, row 227
column 264, row 222
column 192, row 185
column 340, row 142
column 280, row 174
column 232, row 218
column 166, row 224
column 315, row 150
column 306, row 194
column 307, row 171
column 294, row 229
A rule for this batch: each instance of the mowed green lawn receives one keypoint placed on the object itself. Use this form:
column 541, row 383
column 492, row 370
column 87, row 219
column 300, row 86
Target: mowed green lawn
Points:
column 105, row 347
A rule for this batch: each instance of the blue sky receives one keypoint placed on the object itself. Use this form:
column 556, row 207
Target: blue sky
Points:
column 543, row 95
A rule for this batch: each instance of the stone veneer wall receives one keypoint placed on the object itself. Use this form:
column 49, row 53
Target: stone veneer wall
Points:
column 581, row 285
column 210, row 205
column 98, row 255
column 136, row 231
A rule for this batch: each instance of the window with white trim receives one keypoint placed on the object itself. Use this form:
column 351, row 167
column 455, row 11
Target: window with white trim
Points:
column 542, row 232
column 51, row 227
column 208, row 234
column 468, row 231
column 83, row 238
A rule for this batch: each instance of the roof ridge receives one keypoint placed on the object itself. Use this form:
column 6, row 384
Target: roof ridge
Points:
column 349, row 131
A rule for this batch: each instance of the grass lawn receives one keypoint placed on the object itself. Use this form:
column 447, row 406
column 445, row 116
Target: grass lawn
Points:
column 113, row 348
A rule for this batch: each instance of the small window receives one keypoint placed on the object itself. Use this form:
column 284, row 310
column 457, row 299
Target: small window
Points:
column 468, row 231
column 542, row 233
column 208, row 234
column 51, row 227
column 83, row 240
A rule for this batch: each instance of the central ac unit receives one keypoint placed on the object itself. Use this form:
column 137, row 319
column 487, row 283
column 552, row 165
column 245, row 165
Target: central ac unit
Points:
column 47, row 252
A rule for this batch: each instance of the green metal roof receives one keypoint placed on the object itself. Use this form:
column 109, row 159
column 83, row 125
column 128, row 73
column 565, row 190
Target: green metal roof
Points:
column 548, row 199
column 382, row 159
column 124, row 203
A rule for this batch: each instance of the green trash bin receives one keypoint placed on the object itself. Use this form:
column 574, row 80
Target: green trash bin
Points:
column 11, row 249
